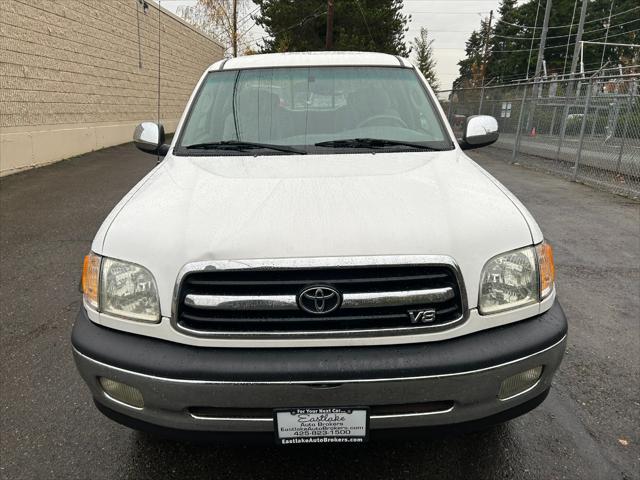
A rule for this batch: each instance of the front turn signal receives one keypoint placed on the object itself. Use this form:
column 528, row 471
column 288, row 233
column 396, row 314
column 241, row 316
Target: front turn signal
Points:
column 547, row 269
column 91, row 279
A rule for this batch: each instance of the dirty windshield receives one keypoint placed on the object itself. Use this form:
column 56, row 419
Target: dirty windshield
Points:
column 312, row 110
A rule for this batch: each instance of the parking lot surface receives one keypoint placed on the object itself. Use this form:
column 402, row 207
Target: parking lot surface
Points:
column 587, row 428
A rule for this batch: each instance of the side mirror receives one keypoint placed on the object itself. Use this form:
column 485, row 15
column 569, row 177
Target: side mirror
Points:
column 149, row 137
column 480, row 131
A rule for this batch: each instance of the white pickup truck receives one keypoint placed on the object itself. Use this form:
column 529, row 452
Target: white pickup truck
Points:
column 317, row 260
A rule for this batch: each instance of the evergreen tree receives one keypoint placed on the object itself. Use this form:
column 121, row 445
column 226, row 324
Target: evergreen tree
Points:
column 502, row 39
column 300, row 25
column 471, row 65
column 424, row 57
column 513, row 54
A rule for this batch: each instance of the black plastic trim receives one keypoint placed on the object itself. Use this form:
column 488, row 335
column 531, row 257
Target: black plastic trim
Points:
column 161, row 358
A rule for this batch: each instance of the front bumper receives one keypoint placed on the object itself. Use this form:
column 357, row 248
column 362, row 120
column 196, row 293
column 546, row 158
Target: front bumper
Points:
column 178, row 380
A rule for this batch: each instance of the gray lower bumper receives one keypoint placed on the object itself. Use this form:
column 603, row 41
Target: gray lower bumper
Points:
column 474, row 394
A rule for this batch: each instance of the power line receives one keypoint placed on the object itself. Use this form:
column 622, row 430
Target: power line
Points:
column 512, row 79
column 507, row 37
column 248, row 15
column 566, row 52
column 571, row 24
column 631, row 45
column 244, row 32
column 299, row 23
column 519, row 76
column 448, row 31
column 448, row 1
column 365, row 22
column 563, row 46
column 570, row 34
column 454, row 13
column 520, row 50
column 607, row 34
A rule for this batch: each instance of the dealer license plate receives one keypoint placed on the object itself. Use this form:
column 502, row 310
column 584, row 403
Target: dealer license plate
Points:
column 321, row 425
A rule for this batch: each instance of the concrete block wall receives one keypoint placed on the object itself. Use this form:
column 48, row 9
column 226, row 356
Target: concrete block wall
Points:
column 78, row 75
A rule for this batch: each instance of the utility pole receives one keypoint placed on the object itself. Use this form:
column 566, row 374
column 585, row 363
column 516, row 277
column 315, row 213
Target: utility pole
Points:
column 578, row 45
column 484, row 62
column 234, row 27
column 536, row 75
column 543, row 41
column 606, row 35
column 329, row 35
column 533, row 36
column 570, row 85
column 486, row 47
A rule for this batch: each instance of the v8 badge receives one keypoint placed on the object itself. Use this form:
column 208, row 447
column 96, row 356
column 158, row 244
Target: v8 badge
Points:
column 427, row 315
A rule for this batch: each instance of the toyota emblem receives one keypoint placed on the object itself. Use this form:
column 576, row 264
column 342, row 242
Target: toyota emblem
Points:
column 319, row 300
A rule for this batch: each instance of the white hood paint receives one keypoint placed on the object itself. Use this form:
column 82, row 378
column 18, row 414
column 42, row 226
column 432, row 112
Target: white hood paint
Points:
column 203, row 208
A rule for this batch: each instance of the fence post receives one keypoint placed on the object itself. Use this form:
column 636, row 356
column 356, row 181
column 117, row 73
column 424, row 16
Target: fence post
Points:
column 624, row 130
column 594, row 124
column 553, row 121
column 565, row 113
column 516, row 143
column 450, row 105
column 612, row 124
column 587, row 104
column 481, row 99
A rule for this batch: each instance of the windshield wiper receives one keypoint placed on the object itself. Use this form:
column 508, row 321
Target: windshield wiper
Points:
column 239, row 145
column 372, row 143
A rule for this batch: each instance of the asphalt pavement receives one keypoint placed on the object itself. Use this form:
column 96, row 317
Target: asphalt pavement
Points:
column 587, row 428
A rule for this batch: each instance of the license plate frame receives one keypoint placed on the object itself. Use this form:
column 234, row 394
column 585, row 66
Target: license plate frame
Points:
column 313, row 425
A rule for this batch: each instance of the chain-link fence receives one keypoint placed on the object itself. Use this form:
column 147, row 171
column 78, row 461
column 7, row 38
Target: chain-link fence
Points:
column 587, row 130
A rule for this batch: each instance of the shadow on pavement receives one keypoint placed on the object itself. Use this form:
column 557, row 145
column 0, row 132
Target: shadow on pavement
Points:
column 485, row 454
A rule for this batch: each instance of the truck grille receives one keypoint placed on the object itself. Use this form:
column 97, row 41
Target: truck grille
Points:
column 266, row 302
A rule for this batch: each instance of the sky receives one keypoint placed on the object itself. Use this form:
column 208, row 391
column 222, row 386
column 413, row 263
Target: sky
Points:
column 450, row 22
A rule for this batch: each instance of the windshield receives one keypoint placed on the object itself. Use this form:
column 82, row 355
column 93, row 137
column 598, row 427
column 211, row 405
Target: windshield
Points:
column 311, row 109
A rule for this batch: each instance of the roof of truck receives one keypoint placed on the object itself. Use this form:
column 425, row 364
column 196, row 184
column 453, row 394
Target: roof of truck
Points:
column 309, row 59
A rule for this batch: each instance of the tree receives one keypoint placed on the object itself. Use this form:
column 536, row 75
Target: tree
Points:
column 223, row 19
column 471, row 65
column 424, row 57
column 503, row 38
column 300, row 25
column 514, row 41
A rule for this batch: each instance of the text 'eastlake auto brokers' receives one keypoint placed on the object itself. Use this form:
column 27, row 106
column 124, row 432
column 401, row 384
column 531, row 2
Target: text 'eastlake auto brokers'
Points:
column 322, row 425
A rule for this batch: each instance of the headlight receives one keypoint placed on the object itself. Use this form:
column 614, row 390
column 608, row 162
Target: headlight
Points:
column 516, row 279
column 128, row 290
column 120, row 288
column 509, row 281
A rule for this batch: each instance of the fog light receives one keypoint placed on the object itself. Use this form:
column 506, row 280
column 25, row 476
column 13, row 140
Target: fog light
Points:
column 122, row 392
column 519, row 383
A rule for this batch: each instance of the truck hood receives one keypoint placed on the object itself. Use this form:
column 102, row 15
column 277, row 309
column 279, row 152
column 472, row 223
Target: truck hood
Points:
column 192, row 209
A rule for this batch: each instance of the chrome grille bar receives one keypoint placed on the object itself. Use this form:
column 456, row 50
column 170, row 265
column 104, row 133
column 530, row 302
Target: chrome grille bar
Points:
column 393, row 299
column 349, row 300
column 242, row 302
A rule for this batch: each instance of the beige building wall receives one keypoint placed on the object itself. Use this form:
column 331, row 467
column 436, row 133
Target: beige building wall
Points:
column 78, row 75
